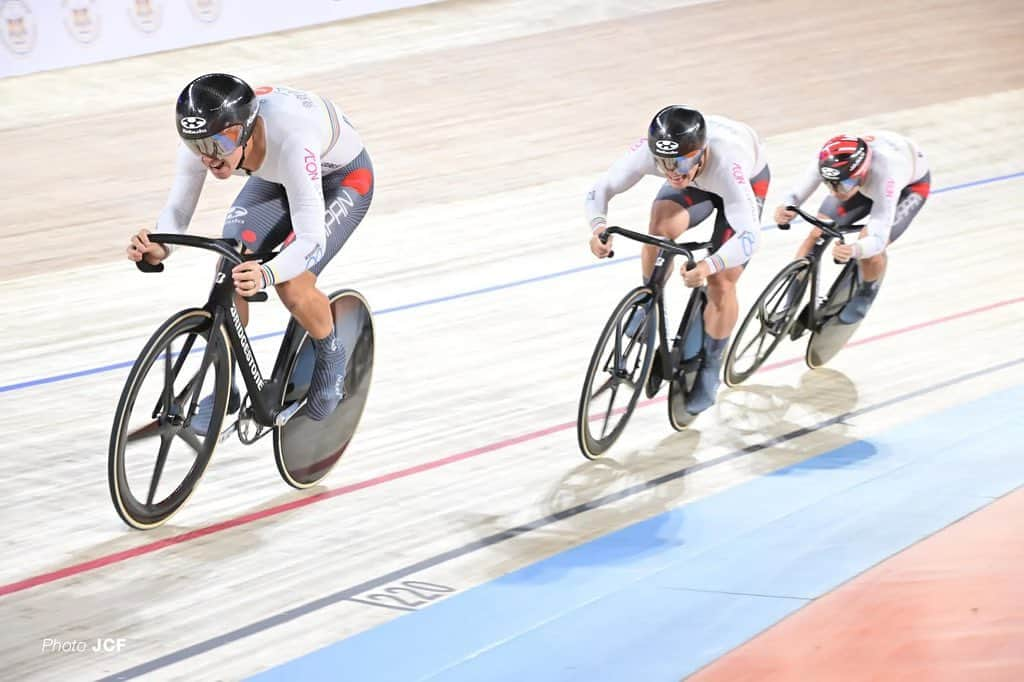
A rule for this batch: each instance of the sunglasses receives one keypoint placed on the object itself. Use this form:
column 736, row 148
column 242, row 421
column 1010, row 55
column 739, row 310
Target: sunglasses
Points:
column 843, row 185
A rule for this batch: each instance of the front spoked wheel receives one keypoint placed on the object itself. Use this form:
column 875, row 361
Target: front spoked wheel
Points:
column 157, row 456
column 767, row 322
column 618, row 370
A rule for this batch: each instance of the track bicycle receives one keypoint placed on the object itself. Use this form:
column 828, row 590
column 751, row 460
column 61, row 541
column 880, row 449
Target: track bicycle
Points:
column 193, row 354
column 774, row 314
column 625, row 355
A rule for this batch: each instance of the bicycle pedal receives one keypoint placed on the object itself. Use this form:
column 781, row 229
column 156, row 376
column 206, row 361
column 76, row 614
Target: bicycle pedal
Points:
column 690, row 365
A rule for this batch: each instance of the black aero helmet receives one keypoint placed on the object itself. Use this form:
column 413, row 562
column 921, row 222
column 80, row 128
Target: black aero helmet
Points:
column 216, row 113
column 677, row 131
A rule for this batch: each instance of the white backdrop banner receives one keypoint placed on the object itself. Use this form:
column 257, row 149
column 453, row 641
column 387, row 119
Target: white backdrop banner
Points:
column 37, row 35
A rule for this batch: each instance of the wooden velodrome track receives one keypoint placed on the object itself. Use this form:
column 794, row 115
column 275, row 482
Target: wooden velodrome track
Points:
column 486, row 122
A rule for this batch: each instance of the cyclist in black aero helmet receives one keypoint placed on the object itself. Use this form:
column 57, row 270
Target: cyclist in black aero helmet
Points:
column 216, row 115
column 709, row 164
column 677, row 132
column 309, row 184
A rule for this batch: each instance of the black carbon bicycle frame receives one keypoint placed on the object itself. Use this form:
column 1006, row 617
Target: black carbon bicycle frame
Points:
column 667, row 251
column 829, row 233
column 265, row 394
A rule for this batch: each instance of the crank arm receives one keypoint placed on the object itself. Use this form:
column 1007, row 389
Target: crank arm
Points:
column 226, row 433
column 285, row 415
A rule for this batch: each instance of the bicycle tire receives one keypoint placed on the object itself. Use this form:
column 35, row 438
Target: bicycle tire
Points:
column 306, row 451
column 685, row 373
column 590, row 446
column 831, row 335
column 147, row 515
column 781, row 283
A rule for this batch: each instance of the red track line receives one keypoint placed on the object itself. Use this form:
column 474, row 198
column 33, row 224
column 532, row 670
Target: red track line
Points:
column 118, row 557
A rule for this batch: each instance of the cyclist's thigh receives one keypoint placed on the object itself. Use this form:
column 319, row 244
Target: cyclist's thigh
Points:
column 348, row 193
column 846, row 212
column 912, row 198
column 697, row 203
column 259, row 216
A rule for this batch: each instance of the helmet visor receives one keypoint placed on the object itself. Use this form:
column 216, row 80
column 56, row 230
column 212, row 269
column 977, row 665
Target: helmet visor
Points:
column 217, row 146
column 843, row 186
column 680, row 164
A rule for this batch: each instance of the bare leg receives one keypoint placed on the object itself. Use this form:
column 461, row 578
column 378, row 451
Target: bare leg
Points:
column 243, row 309
column 668, row 219
column 307, row 304
column 723, row 308
column 808, row 243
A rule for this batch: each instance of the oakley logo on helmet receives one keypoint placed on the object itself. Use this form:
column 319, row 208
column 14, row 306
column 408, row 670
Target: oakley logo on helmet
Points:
column 829, row 173
column 193, row 123
column 667, row 146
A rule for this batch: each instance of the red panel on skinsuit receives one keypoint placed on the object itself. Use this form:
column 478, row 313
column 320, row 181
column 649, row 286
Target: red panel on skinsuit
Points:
column 361, row 179
column 761, row 189
column 922, row 188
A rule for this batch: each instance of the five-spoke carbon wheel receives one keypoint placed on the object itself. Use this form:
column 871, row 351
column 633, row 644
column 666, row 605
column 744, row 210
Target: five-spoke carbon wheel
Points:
column 767, row 322
column 618, row 371
column 156, row 457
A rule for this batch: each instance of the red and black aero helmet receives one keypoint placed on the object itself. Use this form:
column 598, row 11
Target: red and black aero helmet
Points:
column 844, row 161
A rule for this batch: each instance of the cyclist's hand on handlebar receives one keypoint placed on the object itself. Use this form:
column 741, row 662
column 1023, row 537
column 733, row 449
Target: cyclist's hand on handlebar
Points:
column 782, row 216
column 596, row 247
column 696, row 277
column 842, row 252
column 140, row 247
column 248, row 278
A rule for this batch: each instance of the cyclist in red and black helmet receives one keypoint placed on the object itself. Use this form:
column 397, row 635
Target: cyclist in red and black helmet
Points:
column 883, row 177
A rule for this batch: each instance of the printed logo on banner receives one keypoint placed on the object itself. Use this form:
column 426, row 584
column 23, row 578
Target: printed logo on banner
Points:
column 206, row 10
column 145, row 14
column 19, row 26
column 82, row 20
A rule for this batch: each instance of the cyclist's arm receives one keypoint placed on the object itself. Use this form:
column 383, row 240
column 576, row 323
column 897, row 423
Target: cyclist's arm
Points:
column 189, row 175
column 741, row 212
column 302, row 177
column 879, row 225
column 805, row 185
column 623, row 174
